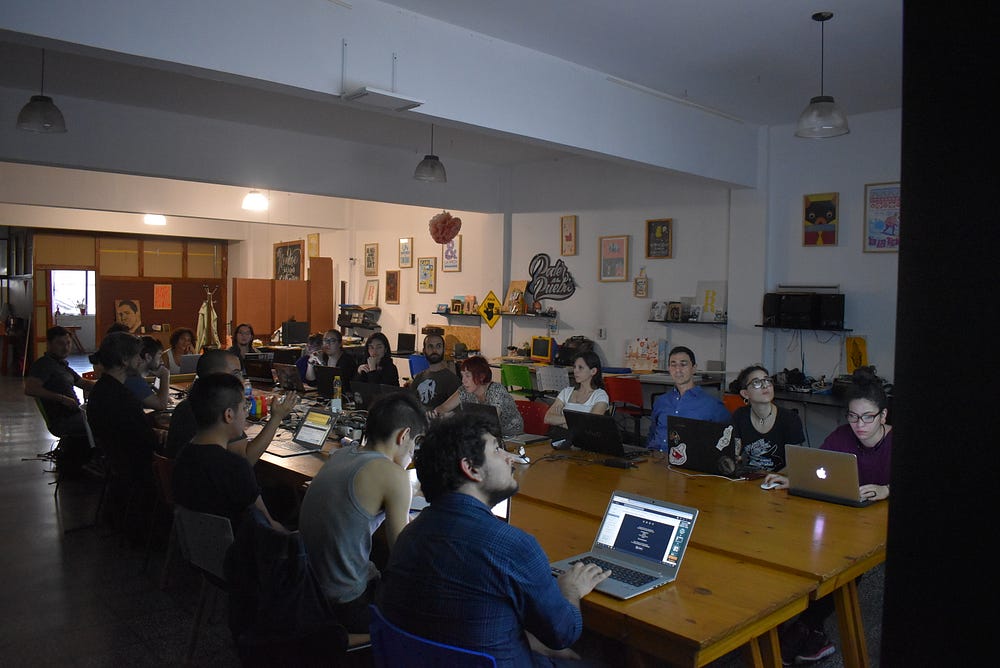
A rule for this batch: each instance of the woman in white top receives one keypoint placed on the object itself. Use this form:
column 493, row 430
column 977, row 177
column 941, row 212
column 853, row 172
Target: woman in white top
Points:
column 181, row 344
column 587, row 395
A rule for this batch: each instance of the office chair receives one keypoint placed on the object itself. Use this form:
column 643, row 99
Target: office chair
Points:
column 392, row 647
column 163, row 474
column 552, row 379
column 732, row 401
column 417, row 364
column 517, row 379
column 625, row 395
column 533, row 414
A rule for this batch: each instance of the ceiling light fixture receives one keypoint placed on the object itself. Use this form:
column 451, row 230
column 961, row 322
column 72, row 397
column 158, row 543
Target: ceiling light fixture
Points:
column 822, row 118
column 255, row 200
column 41, row 114
column 382, row 99
column 154, row 219
column 430, row 168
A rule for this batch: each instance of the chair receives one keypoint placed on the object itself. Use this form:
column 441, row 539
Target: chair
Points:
column 551, row 379
column 203, row 539
column 625, row 395
column 533, row 414
column 163, row 474
column 392, row 647
column 732, row 401
column 517, row 379
column 417, row 364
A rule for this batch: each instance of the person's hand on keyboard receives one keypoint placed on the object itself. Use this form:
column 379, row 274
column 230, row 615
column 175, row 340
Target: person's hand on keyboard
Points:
column 580, row 580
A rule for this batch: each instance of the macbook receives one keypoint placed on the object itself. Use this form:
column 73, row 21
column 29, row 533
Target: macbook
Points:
column 287, row 377
column 324, row 380
column 599, row 433
column 406, row 344
column 488, row 411
column 310, row 435
column 641, row 540
column 258, row 370
column 824, row 475
column 365, row 394
column 189, row 363
column 703, row 446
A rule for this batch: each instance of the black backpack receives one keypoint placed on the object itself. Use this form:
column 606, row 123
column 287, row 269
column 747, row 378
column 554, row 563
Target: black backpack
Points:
column 572, row 347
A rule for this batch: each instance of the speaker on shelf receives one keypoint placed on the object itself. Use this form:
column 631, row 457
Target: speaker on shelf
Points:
column 831, row 311
column 772, row 307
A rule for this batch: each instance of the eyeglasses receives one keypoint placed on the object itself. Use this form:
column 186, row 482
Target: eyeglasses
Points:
column 418, row 441
column 867, row 418
column 331, row 340
column 760, row 383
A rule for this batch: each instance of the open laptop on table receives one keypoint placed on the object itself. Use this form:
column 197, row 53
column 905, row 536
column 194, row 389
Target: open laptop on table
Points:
column 708, row 447
column 287, row 376
column 823, row 474
column 189, row 363
column 324, row 380
column 365, row 394
column 258, row 370
column 405, row 344
column 310, row 435
column 641, row 540
column 598, row 433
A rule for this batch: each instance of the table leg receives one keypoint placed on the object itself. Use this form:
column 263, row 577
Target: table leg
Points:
column 852, row 632
column 763, row 651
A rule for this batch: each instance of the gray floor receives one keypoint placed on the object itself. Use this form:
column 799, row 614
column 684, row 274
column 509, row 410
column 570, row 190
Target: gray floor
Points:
column 77, row 596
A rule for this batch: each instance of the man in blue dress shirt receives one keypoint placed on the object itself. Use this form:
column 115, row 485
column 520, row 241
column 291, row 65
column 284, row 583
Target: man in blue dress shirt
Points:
column 460, row 576
column 685, row 400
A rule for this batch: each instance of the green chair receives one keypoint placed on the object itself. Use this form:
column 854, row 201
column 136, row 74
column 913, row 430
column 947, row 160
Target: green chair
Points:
column 517, row 379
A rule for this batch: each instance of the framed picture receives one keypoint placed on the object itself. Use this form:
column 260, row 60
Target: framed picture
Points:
column 163, row 296
column 881, row 218
column 640, row 286
column 405, row 252
column 288, row 257
column 613, row 260
column 456, row 306
column 451, row 255
column 371, row 293
column 312, row 244
column 371, row 259
column 819, row 219
column 567, row 235
column 427, row 275
column 392, row 287
column 660, row 238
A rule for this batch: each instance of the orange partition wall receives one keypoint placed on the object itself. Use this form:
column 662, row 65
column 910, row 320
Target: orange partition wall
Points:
column 321, row 295
column 252, row 303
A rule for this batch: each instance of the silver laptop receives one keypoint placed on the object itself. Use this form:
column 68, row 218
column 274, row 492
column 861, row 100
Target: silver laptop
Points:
column 189, row 363
column 824, row 475
column 287, row 377
column 310, row 435
column 641, row 540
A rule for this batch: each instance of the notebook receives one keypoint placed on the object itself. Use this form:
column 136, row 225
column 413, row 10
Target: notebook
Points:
column 287, row 377
column 309, row 437
column 824, row 475
column 594, row 432
column 406, row 344
column 189, row 363
column 324, row 380
column 258, row 370
column 641, row 540
column 365, row 394
column 703, row 446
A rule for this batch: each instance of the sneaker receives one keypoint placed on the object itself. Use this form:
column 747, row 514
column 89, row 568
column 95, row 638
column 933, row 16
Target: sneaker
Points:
column 816, row 646
column 792, row 638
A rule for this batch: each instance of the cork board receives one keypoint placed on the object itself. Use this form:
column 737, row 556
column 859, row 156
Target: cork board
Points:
column 455, row 333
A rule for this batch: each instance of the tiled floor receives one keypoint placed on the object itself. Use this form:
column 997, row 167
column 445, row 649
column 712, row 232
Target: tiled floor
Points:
column 78, row 596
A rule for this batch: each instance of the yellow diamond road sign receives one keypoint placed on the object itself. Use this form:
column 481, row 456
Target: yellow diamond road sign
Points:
column 489, row 309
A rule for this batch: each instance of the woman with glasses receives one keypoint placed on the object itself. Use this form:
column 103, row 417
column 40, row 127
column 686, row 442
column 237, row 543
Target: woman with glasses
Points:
column 331, row 353
column 761, row 429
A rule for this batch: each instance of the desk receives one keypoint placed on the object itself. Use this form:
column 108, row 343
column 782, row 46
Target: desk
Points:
column 829, row 543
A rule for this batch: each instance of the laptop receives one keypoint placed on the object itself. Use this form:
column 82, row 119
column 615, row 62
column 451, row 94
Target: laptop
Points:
column 488, row 411
column 324, row 380
column 824, row 475
column 189, row 363
column 287, row 377
column 406, row 344
column 258, row 370
column 310, row 435
column 708, row 447
column 598, row 433
column 365, row 394
column 641, row 540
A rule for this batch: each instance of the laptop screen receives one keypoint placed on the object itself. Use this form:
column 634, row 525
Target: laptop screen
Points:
column 645, row 529
column 314, row 428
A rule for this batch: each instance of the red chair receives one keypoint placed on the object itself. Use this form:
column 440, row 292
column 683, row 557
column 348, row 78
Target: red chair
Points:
column 625, row 394
column 533, row 414
column 732, row 401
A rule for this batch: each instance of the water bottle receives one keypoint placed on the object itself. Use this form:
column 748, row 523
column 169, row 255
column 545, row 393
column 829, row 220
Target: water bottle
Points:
column 336, row 403
column 248, row 394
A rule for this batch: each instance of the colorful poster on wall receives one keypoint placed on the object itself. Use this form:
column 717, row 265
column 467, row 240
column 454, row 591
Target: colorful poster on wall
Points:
column 819, row 219
column 163, row 297
column 881, row 218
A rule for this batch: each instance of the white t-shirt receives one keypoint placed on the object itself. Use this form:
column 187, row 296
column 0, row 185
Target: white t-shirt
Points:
column 596, row 397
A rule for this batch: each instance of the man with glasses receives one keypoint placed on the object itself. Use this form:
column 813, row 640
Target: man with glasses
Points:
column 460, row 576
column 359, row 488
column 183, row 424
column 685, row 399
column 437, row 382
column 208, row 477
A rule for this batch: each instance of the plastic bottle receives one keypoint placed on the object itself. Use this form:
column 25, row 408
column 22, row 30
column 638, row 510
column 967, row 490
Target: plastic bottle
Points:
column 336, row 402
column 248, row 394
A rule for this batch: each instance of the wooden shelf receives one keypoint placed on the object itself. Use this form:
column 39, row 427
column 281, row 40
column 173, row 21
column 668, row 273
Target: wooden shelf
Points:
column 813, row 329
column 691, row 322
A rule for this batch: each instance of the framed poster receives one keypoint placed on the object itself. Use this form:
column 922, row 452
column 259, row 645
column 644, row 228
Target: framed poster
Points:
column 163, row 296
column 567, row 235
column 312, row 244
column 819, row 219
column 392, row 287
column 881, row 218
column 427, row 275
column 288, row 260
column 640, row 286
column 406, row 252
column 371, row 259
column 613, row 260
column 371, row 293
column 129, row 313
column 451, row 254
column 660, row 238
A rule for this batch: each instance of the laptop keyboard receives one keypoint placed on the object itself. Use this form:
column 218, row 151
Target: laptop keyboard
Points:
column 289, row 447
column 620, row 573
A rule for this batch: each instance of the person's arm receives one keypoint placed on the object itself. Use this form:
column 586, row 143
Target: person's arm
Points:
column 396, row 498
column 448, row 405
column 389, row 374
column 657, row 424
column 275, row 524
column 278, row 409
column 554, row 415
column 85, row 384
column 511, row 421
column 163, row 391
column 33, row 387
column 601, row 401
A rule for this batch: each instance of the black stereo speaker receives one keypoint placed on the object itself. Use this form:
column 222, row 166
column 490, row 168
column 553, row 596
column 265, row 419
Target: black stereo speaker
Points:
column 831, row 311
column 772, row 309
column 798, row 310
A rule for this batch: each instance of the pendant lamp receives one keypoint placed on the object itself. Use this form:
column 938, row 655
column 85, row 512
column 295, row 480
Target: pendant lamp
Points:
column 430, row 168
column 41, row 114
column 822, row 118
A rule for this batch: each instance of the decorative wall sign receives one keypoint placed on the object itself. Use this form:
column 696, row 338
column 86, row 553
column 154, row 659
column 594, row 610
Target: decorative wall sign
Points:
column 163, row 294
column 392, row 287
column 489, row 309
column 549, row 281
column 371, row 259
column 660, row 238
column 406, row 252
column 312, row 244
column 129, row 313
column 451, row 255
column 567, row 235
column 613, row 261
column 819, row 219
column 288, row 257
column 427, row 275
column 640, row 286
column 881, row 218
